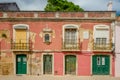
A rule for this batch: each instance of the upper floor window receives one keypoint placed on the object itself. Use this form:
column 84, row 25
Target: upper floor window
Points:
column 102, row 37
column 101, row 34
column 47, row 38
column 47, row 34
column 101, row 41
column 70, row 36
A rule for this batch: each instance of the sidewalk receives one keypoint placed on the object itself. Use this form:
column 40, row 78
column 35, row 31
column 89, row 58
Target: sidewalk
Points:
column 47, row 77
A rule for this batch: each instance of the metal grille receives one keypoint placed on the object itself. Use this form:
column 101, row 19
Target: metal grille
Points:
column 70, row 39
column 101, row 44
column 47, row 64
column 20, row 45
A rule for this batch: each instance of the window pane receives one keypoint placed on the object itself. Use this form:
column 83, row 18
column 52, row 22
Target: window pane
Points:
column 70, row 36
column 98, row 60
column 47, row 37
column 101, row 41
column 103, row 60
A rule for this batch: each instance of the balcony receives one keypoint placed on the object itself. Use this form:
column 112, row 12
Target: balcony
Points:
column 107, row 46
column 20, row 46
column 70, row 46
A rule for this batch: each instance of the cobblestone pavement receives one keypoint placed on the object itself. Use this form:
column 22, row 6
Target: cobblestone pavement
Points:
column 47, row 77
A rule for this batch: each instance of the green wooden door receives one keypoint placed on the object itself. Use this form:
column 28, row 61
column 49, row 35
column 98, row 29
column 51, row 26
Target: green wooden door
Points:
column 101, row 64
column 70, row 64
column 47, row 60
column 21, row 64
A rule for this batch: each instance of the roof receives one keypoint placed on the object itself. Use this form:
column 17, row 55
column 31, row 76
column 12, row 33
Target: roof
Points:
column 9, row 6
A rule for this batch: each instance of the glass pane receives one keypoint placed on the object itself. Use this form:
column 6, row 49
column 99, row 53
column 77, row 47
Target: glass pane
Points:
column 98, row 60
column 24, row 59
column 47, row 38
column 101, row 41
column 103, row 60
column 70, row 36
column 18, row 59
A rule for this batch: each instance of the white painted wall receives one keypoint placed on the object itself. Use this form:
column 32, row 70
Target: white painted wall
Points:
column 117, row 65
column 117, row 51
column 117, row 39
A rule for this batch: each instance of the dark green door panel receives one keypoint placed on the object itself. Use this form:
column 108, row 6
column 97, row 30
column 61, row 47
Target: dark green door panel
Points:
column 47, row 60
column 70, row 64
column 101, row 64
column 21, row 64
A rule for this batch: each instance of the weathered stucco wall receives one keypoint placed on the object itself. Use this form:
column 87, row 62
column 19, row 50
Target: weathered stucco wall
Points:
column 6, row 64
column 37, row 22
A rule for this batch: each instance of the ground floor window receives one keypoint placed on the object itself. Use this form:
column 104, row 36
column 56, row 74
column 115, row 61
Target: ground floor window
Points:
column 47, row 64
column 101, row 64
column 70, row 64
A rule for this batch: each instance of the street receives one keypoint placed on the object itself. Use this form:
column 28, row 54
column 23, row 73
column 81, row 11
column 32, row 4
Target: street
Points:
column 50, row 77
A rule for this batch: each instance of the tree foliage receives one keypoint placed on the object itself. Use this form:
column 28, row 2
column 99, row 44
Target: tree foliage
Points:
column 61, row 5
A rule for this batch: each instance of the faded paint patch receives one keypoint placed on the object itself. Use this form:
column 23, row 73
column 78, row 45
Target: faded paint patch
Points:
column 36, row 64
column 41, row 34
column 6, row 57
column 5, row 34
column 32, row 36
column 53, row 33
column 6, row 64
column 90, row 43
column 81, row 34
column 91, row 40
column 7, row 68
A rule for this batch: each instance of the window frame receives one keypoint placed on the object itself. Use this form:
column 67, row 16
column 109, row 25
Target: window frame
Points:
column 49, row 41
column 71, row 26
column 101, row 27
column 49, row 32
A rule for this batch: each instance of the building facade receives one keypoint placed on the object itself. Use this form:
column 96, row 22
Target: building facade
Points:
column 117, row 47
column 57, row 43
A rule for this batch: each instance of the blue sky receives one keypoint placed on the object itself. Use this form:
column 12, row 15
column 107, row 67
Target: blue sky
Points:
column 88, row 5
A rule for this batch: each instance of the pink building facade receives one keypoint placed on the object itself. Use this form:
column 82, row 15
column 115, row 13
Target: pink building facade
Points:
column 57, row 43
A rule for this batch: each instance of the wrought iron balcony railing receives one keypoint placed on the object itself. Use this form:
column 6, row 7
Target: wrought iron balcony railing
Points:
column 20, row 45
column 70, row 46
column 107, row 46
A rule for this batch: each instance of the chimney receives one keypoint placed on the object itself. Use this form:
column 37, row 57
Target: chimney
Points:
column 109, row 5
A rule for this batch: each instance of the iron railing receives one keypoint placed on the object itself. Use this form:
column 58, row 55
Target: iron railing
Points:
column 70, row 46
column 20, row 45
column 107, row 46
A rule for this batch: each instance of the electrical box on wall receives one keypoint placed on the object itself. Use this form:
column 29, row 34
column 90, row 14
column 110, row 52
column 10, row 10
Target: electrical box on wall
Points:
column 86, row 34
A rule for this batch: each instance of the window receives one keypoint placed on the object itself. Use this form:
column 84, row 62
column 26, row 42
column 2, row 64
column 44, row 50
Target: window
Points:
column 47, row 35
column 103, row 60
column 98, row 60
column 102, row 37
column 47, row 38
column 70, row 36
column 101, row 41
column 101, row 34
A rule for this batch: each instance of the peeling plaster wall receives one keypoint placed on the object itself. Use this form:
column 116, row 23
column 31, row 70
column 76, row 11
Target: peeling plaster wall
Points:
column 36, row 64
column 6, row 64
